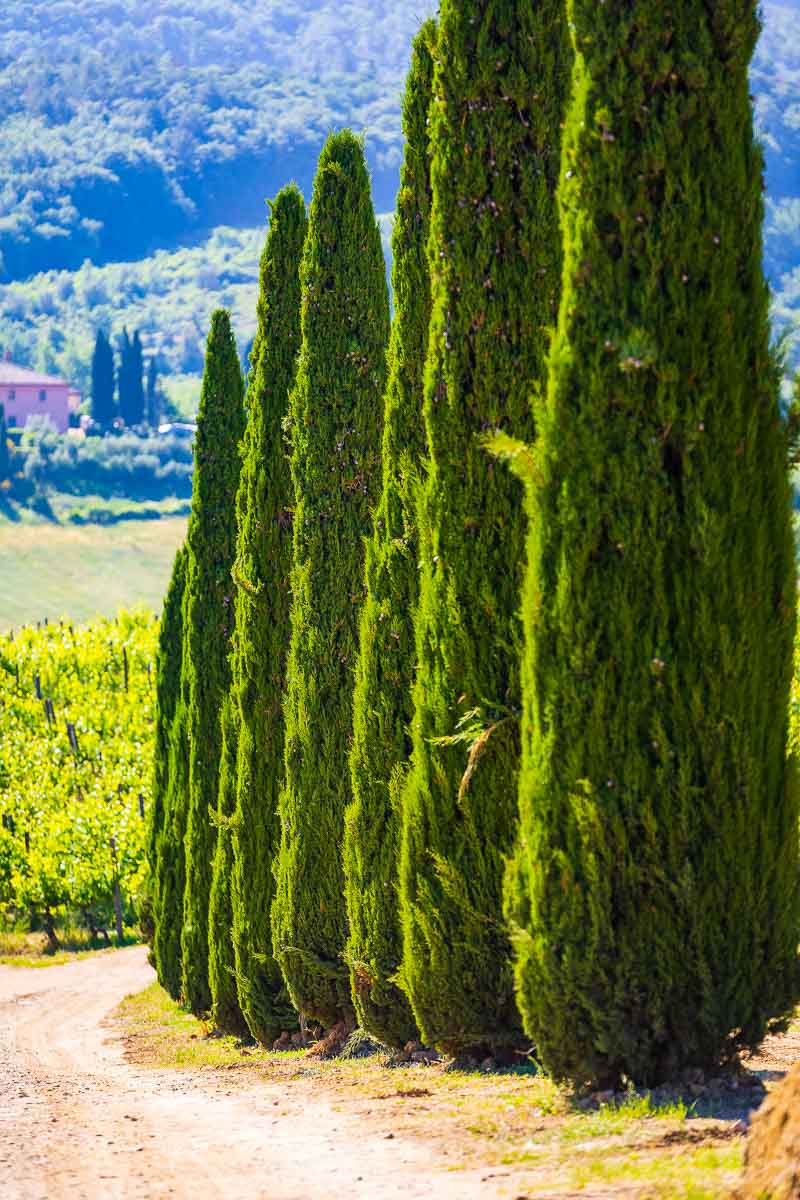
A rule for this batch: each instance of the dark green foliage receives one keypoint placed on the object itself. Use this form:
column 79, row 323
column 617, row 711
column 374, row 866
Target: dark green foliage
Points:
column 152, row 395
column 384, row 672
column 499, row 83
column 160, row 850
column 5, row 453
column 335, row 415
column 226, row 1014
column 103, row 408
column 130, row 379
column 261, row 572
column 208, row 617
column 169, row 884
column 658, row 867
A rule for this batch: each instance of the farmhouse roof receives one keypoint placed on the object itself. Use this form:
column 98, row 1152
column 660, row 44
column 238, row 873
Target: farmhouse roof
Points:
column 11, row 374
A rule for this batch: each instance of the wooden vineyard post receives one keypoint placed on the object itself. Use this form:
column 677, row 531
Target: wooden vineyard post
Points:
column 118, row 895
column 125, row 666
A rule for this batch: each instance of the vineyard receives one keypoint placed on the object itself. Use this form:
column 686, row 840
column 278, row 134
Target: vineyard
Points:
column 76, row 707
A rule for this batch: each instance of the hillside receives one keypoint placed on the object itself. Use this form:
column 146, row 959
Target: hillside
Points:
column 142, row 127
column 141, row 148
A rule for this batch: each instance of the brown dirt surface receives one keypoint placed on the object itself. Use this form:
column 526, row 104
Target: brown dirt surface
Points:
column 114, row 1098
column 772, row 1160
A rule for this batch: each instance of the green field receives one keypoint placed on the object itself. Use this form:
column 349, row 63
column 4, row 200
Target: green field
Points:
column 55, row 571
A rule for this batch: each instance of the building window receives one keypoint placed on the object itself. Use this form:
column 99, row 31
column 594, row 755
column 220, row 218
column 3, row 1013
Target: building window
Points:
column 42, row 397
column 12, row 421
column 12, row 395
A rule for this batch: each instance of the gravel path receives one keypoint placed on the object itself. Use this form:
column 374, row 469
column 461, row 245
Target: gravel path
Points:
column 77, row 1122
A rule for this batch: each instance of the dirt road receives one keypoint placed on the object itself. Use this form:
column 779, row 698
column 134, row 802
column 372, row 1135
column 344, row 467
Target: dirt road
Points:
column 78, row 1122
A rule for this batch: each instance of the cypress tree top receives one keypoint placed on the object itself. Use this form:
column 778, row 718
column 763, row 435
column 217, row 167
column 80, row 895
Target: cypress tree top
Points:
column 335, row 414
column 659, row 818
column 208, row 616
column 499, row 85
column 382, row 698
column 261, row 572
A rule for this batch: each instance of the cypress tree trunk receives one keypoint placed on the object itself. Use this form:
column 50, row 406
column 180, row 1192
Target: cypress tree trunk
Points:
column 335, row 412
column 168, row 679
column 261, row 572
column 226, row 1014
column 384, row 672
column 495, row 268
column 659, row 814
column 208, row 617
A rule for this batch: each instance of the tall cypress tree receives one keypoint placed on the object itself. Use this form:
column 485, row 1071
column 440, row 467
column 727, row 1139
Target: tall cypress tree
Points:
column 208, row 617
column 5, row 455
column 261, row 573
column 171, row 852
column 226, row 1013
column 500, row 81
column 384, row 672
column 659, row 814
column 335, row 420
column 152, row 397
column 102, row 407
column 168, row 678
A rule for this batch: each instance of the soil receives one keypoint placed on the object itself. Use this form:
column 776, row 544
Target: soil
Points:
column 83, row 1116
column 79, row 1123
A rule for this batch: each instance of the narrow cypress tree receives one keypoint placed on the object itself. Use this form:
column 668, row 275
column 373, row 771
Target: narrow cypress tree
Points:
column 335, row 414
column 171, row 854
column 499, row 83
column 208, row 618
column 5, row 455
column 152, row 397
column 168, row 679
column 659, row 814
column 103, row 409
column 225, row 1011
column 137, row 380
column 384, row 672
column 261, row 572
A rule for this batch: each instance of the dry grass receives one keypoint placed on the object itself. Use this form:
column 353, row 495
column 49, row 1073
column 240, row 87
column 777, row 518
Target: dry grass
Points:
column 19, row 949
column 516, row 1124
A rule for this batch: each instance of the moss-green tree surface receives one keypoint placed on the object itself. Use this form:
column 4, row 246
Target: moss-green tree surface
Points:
column 226, row 1013
column 335, row 414
column 659, row 814
column 384, row 672
column 261, row 573
column 171, row 854
column 208, row 620
column 168, row 680
column 495, row 270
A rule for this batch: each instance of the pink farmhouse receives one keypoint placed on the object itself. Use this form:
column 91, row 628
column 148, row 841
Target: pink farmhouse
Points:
column 25, row 394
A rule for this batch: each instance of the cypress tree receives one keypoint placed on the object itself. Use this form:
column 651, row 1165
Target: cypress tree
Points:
column 658, row 867
column 208, row 618
column 335, row 422
column 226, row 1014
column 5, row 454
column 102, row 407
column 137, row 381
column 382, row 697
column 261, row 573
column 168, row 678
column 499, row 84
column 152, row 398
column 171, row 853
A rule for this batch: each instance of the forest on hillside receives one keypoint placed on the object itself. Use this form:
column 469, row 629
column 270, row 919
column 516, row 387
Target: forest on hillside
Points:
column 126, row 128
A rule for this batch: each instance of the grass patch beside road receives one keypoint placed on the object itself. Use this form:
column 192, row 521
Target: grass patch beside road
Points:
column 516, row 1124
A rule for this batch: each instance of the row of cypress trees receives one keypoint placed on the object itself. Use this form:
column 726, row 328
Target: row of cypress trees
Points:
column 473, row 675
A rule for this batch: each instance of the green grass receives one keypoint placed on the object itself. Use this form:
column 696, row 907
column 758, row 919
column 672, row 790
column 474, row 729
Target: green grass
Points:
column 78, row 572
